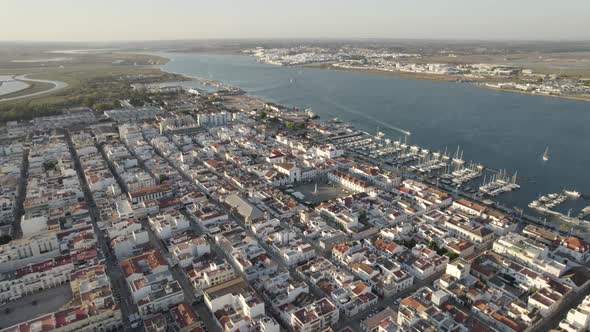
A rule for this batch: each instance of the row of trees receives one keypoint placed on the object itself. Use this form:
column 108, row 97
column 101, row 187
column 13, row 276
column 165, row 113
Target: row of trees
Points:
column 24, row 112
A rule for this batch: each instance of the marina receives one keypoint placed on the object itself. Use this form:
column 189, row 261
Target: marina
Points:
column 465, row 174
column 549, row 204
column 493, row 128
column 499, row 184
column 447, row 170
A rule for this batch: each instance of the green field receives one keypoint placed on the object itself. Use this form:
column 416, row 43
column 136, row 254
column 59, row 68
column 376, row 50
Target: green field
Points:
column 99, row 85
column 82, row 81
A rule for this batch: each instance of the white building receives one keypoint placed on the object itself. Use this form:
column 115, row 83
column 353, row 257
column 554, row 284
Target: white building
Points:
column 126, row 245
column 328, row 151
column 20, row 252
column 577, row 319
column 236, row 307
column 214, row 119
column 161, row 299
column 168, row 224
column 185, row 252
column 317, row 316
column 458, row 269
column 289, row 169
column 34, row 278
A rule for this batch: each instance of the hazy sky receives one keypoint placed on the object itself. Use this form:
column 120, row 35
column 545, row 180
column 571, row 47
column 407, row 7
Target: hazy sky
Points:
column 102, row 20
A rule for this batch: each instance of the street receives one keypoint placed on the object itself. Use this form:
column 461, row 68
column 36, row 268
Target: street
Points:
column 120, row 290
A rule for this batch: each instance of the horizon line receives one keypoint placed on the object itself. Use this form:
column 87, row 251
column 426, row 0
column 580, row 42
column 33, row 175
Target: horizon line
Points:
column 560, row 40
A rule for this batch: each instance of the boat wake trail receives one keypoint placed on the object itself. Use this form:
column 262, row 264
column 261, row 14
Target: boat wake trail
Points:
column 269, row 88
column 372, row 118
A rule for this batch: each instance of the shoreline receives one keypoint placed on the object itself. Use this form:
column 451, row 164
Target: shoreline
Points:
column 266, row 99
column 415, row 76
column 200, row 80
column 438, row 78
column 13, row 79
column 534, row 94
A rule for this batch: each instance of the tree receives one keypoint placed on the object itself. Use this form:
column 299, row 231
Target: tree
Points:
column 89, row 101
column 4, row 239
column 363, row 215
column 451, row 255
column 409, row 244
column 163, row 177
column 104, row 106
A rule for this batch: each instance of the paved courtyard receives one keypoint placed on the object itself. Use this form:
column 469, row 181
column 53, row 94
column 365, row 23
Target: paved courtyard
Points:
column 22, row 309
column 325, row 192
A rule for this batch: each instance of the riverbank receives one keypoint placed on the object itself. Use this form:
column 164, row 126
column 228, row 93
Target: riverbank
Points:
column 441, row 78
column 585, row 98
column 36, row 87
column 416, row 76
column 501, row 130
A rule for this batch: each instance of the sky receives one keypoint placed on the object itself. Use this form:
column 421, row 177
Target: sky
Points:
column 115, row 20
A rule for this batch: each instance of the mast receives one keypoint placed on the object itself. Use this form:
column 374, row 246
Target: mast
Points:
column 514, row 177
column 546, row 153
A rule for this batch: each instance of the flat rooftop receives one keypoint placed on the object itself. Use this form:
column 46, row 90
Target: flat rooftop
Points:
column 233, row 286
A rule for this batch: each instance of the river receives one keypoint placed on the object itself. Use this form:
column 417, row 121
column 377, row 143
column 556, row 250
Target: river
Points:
column 9, row 85
column 57, row 85
column 499, row 129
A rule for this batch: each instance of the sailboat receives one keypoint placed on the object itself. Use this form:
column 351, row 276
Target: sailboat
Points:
column 572, row 193
column 546, row 154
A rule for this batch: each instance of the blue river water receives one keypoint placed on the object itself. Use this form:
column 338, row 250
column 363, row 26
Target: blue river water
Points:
column 499, row 129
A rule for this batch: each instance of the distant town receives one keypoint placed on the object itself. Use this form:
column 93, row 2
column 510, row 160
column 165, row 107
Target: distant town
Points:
column 383, row 60
column 218, row 211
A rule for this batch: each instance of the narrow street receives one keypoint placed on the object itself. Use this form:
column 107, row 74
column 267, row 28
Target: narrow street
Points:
column 120, row 290
column 236, row 220
column 572, row 301
column 21, row 195
column 175, row 270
